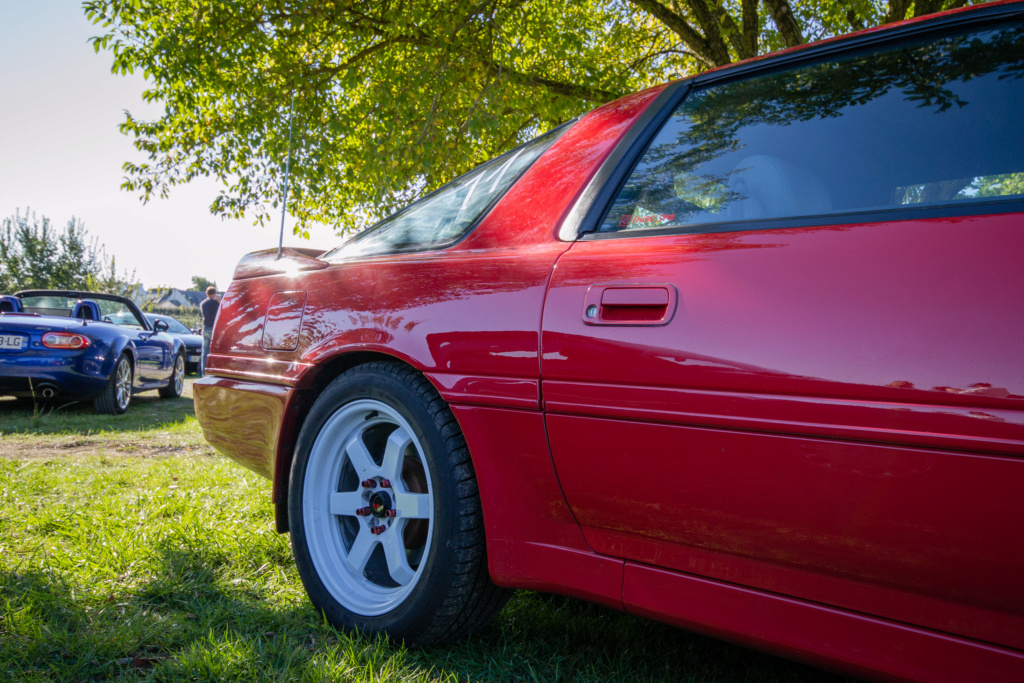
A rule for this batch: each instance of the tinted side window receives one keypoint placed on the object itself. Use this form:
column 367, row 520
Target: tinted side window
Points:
column 930, row 123
column 445, row 215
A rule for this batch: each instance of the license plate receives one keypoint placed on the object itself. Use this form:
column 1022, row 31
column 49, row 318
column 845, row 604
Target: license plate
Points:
column 193, row 359
column 12, row 342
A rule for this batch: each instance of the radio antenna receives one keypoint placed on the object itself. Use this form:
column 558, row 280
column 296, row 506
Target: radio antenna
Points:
column 287, row 169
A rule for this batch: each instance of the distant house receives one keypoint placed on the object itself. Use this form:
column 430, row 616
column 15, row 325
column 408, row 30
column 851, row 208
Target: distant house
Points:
column 173, row 300
column 138, row 294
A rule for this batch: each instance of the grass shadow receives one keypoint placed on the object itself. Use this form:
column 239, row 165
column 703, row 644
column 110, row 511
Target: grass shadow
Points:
column 188, row 622
column 147, row 411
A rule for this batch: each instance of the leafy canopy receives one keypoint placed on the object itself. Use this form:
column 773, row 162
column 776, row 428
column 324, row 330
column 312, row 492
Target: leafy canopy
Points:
column 200, row 283
column 393, row 99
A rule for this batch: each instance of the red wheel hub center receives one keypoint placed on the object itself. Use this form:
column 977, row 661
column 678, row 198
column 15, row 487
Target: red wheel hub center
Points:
column 380, row 503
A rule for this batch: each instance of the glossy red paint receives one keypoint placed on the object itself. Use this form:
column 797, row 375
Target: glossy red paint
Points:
column 852, row 396
column 809, row 440
column 532, row 538
column 880, row 530
column 284, row 319
column 244, row 419
column 486, row 352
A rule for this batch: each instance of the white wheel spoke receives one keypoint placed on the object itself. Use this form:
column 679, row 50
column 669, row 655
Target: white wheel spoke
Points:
column 360, row 457
column 413, row 505
column 346, row 503
column 340, row 542
column 393, row 452
column 394, row 551
column 360, row 552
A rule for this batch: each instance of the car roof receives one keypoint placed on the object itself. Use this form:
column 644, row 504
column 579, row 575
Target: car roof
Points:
column 958, row 17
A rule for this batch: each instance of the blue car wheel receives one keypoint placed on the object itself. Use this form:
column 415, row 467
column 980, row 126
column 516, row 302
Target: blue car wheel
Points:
column 176, row 382
column 117, row 394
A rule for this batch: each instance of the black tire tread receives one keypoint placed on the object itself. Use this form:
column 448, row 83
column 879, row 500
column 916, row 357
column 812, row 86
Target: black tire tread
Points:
column 468, row 598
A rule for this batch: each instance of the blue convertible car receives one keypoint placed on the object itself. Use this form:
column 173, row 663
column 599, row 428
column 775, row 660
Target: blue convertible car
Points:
column 81, row 345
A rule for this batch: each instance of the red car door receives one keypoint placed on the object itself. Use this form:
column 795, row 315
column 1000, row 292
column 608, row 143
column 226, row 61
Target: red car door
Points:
column 790, row 355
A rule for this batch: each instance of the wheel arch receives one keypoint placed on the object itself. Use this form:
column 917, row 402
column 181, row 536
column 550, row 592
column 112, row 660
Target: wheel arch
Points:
column 328, row 370
column 121, row 345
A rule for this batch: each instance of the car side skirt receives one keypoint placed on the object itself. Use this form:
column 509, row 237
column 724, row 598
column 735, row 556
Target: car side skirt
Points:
column 846, row 641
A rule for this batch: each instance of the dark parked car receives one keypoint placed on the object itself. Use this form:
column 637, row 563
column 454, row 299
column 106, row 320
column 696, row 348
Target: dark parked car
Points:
column 58, row 344
column 193, row 342
column 743, row 353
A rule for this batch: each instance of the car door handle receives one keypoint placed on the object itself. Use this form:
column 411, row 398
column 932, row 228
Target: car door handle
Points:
column 635, row 296
column 629, row 304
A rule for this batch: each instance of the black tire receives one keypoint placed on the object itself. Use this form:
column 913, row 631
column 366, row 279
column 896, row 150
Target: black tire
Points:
column 117, row 394
column 447, row 592
column 176, row 382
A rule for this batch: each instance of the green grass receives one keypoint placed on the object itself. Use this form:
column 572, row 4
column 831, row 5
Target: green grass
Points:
column 147, row 416
column 135, row 554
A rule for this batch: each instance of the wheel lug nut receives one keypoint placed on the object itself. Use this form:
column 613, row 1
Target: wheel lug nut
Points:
column 390, row 513
column 385, row 483
column 363, row 512
column 369, row 484
column 377, row 530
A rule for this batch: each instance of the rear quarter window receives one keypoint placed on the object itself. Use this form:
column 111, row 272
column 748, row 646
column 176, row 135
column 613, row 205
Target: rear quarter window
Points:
column 443, row 217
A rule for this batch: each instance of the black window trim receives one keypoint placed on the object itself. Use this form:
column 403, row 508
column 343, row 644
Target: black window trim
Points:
column 605, row 184
column 959, row 209
column 592, row 205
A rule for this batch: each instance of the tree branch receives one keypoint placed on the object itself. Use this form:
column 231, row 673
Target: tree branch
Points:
column 708, row 20
column 923, row 7
column 897, row 11
column 694, row 40
column 784, row 20
column 733, row 33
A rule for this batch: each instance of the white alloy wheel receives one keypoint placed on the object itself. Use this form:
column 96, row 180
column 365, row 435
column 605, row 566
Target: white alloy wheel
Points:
column 384, row 510
column 367, row 507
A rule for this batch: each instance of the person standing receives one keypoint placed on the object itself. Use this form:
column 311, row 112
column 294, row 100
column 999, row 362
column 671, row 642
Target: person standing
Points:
column 208, row 309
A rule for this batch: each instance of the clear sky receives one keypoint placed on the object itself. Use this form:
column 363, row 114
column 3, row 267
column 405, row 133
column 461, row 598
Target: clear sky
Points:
column 61, row 155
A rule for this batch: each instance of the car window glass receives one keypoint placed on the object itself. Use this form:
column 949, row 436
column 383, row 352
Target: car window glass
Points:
column 173, row 326
column 933, row 123
column 444, row 216
column 58, row 306
column 119, row 314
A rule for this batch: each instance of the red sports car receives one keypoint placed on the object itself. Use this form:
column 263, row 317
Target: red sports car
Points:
column 743, row 353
